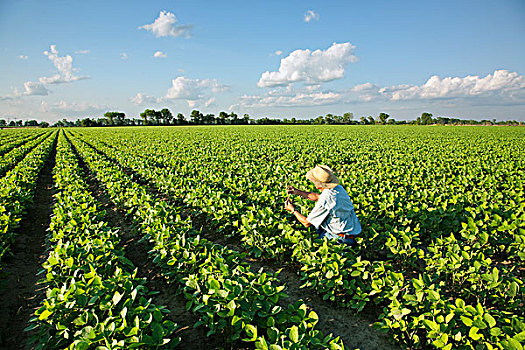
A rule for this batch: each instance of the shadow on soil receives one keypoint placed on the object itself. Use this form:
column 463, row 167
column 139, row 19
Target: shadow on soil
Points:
column 20, row 292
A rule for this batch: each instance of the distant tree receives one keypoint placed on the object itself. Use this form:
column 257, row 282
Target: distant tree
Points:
column 3, row 122
column 234, row 117
column 208, row 119
column 110, row 116
column 31, row 123
column 363, row 120
column 196, row 117
column 371, row 120
column 181, row 119
column 246, row 119
column 442, row 120
column 102, row 122
column 88, row 122
column 166, row 115
column 150, row 116
column 426, row 119
column 115, row 118
column 319, row 120
column 44, row 124
column 223, row 118
column 347, row 118
column 382, row 118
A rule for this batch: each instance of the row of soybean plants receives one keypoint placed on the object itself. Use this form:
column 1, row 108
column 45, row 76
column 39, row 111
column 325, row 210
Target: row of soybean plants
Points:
column 94, row 298
column 229, row 298
column 470, row 269
column 18, row 152
column 11, row 135
column 17, row 190
column 16, row 140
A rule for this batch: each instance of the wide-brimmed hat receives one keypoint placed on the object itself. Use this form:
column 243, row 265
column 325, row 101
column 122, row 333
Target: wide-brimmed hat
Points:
column 322, row 176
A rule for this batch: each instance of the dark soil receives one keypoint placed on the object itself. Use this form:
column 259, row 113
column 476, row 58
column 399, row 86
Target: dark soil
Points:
column 20, row 292
column 166, row 294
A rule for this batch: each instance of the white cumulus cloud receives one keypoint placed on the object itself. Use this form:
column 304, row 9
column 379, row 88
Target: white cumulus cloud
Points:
column 500, row 83
column 124, row 56
column 64, row 65
column 23, row 57
column 35, row 89
column 192, row 89
column 311, row 67
column 311, row 15
column 160, row 54
column 278, row 52
column 166, row 25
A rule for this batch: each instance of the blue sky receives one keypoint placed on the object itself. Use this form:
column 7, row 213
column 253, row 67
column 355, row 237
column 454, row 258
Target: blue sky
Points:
column 266, row 58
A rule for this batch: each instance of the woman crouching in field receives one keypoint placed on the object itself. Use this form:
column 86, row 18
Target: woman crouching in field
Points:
column 333, row 215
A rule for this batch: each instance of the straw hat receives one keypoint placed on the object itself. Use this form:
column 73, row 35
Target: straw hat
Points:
column 322, row 176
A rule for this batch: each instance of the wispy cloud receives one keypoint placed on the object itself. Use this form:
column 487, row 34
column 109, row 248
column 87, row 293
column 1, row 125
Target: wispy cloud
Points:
column 311, row 67
column 124, row 56
column 23, row 57
column 77, row 107
column 64, row 65
column 311, row 15
column 82, row 52
column 166, row 25
column 160, row 54
column 140, row 99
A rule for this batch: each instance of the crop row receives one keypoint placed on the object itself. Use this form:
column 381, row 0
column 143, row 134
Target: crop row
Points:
column 18, row 152
column 93, row 297
column 17, row 189
column 228, row 296
column 454, row 269
column 10, row 143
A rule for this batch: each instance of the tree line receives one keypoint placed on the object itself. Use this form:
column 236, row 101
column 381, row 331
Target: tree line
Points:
column 165, row 117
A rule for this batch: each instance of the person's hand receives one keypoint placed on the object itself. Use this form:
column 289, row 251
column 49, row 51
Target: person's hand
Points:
column 291, row 190
column 289, row 206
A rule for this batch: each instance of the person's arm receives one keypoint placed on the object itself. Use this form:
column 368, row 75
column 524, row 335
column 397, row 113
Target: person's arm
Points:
column 313, row 196
column 302, row 219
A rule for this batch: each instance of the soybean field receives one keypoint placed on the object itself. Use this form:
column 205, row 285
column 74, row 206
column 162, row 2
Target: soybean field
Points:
column 177, row 237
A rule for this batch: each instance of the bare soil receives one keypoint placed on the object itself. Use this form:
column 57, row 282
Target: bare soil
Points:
column 20, row 292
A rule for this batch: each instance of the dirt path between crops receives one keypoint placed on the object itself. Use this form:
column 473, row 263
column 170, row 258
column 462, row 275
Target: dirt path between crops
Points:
column 355, row 330
column 137, row 252
column 20, row 293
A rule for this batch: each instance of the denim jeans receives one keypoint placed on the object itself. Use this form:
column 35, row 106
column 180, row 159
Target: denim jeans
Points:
column 322, row 234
